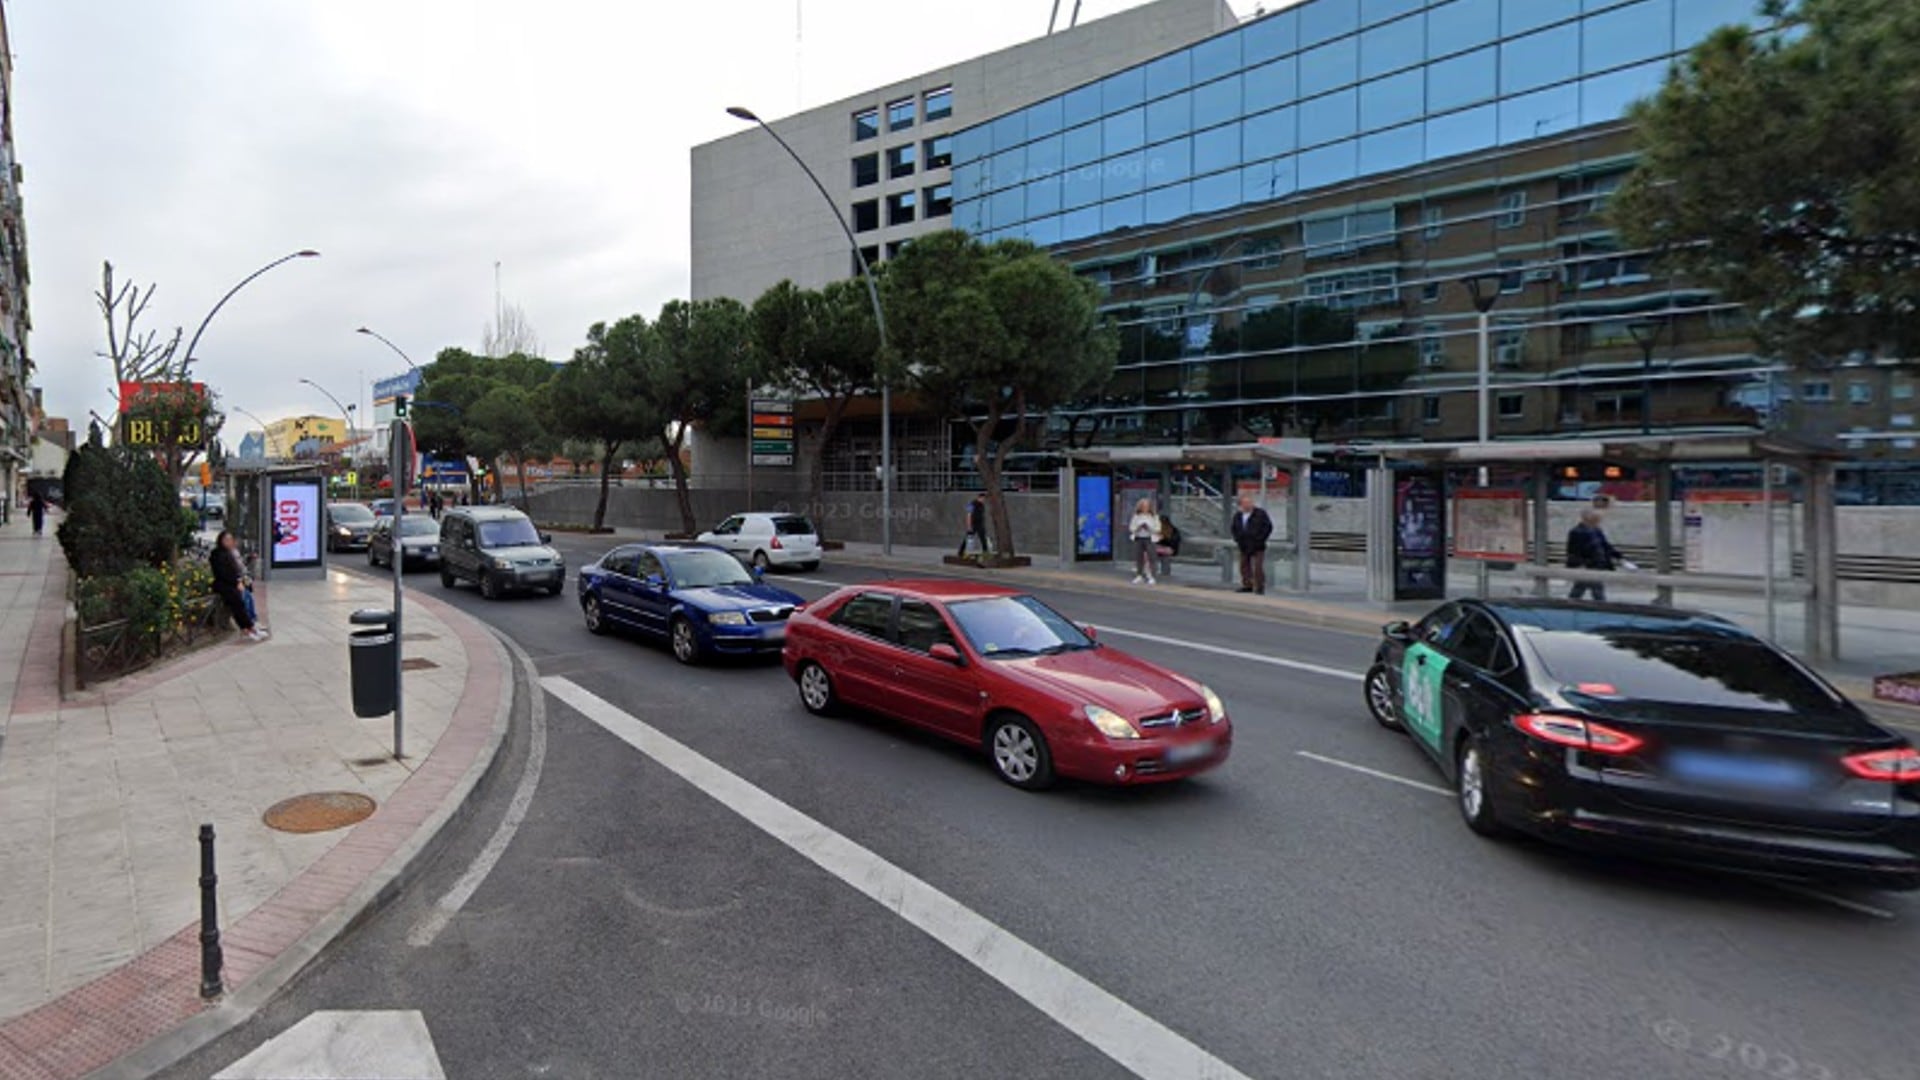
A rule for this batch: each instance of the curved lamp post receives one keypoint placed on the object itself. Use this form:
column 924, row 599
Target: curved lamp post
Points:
column 740, row 112
column 346, row 411
column 186, row 362
column 266, row 430
column 374, row 334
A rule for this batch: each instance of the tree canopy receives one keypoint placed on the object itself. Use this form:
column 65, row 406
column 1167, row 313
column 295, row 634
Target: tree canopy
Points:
column 818, row 343
column 601, row 397
column 481, row 406
column 696, row 375
column 1783, row 171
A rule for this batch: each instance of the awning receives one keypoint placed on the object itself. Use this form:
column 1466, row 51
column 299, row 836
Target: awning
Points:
column 1266, row 451
column 1646, row 448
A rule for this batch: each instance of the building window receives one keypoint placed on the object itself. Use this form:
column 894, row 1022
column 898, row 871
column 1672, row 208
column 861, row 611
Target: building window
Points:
column 1354, row 290
column 1513, row 406
column 1816, row 390
column 893, row 249
column 1347, row 233
column 1430, row 410
column 1430, row 292
column 1902, row 390
column 939, row 151
column 938, row 104
column 866, row 124
column 900, row 114
column 1513, row 275
column 1597, row 264
column 900, row 208
column 939, row 200
column 871, row 254
column 1513, row 209
column 1434, row 218
column 1584, row 197
column 1265, row 254
column 1859, row 393
column 1433, row 347
column 900, row 160
column 866, row 170
column 866, row 215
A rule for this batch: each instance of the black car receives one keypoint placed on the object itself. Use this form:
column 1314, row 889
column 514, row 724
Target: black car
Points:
column 349, row 525
column 1651, row 731
column 419, row 542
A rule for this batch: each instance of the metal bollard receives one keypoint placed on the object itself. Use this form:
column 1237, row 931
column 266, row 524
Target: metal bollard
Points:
column 210, row 956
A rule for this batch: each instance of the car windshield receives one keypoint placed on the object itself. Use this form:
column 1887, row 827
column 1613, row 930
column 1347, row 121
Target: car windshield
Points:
column 1715, row 670
column 419, row 526
column 508, row 532
column 793, row 526
column 1003, row 627
column 706, row 569
column 350, row 513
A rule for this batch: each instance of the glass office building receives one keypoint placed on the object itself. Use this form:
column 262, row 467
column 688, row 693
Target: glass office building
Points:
column 1283, row 218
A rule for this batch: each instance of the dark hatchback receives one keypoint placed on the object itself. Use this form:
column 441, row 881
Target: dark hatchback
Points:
column 699, row 598
column 1653, row 732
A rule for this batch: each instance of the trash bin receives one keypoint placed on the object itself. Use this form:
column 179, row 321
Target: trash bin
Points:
column 373, row 656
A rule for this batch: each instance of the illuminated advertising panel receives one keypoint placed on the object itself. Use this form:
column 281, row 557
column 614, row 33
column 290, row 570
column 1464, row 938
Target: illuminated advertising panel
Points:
column 295, row 520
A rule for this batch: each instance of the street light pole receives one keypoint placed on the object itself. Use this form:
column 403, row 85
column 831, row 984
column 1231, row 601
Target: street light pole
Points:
column 186, row 361
column 1646, row 333
column 879, row 320
column 374, row 334
column 266, row 430
column 346, row 412
column 1485, row 291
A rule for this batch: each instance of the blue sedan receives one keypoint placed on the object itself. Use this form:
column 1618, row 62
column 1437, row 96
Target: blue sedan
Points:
column 699, row 598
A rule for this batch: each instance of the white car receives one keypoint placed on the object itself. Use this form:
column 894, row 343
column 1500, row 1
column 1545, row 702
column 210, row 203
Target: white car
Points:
column 768, row 540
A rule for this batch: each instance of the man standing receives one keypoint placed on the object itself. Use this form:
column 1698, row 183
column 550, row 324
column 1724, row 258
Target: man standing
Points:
column 1589, row 549
column 37, row 510
column 976, row 526
column 1251, row 530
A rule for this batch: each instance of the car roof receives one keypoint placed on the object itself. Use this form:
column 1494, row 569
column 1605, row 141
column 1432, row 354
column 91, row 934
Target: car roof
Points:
column 489, row 513
column 944, row 589
column 1584, row 617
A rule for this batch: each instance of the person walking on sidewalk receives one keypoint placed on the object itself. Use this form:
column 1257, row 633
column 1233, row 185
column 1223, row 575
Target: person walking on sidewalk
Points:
column 231, row 585
column 1144, row 530
column 976, row 533
column 1589, row 549
column 1252, row 528
column 37, row 511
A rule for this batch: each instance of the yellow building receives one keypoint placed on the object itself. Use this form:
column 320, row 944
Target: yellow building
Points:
column 283, row 435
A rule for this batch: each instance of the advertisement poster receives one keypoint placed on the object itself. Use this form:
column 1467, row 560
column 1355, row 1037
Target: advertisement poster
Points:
column 1490, row 524
column 1093, row 517
column 1419, row 537
column 296, row 524
column 1725, row 532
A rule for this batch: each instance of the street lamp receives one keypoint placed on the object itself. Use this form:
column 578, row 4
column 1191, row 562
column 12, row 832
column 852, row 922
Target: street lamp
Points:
column 186, row 362
column 1645, row 333
column 1484, row 288
column 740, row 112
column 346, row 411
column 266, row 429
column 396, row 349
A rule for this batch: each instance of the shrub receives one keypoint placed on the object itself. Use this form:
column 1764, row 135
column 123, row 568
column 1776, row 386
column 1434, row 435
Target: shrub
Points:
column 121, row 513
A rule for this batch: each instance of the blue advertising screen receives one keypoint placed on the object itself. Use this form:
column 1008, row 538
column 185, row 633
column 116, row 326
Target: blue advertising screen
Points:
column 1093, row 517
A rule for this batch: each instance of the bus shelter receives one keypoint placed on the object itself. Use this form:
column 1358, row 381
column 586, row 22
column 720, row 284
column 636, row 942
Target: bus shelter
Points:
column 279, row 514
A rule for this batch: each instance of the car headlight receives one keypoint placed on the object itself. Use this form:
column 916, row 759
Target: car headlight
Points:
column 727, row 618
column 1110, row 723
column 502, row 564
column 1216, row 709
column 342, row 530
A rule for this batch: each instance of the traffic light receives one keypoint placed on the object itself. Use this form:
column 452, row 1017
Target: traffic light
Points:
column 399, row 406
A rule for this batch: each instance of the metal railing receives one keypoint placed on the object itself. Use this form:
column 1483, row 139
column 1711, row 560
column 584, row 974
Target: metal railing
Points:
column 113, row 648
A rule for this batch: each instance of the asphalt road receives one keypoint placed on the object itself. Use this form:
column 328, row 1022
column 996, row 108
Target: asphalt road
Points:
column 1290, row 914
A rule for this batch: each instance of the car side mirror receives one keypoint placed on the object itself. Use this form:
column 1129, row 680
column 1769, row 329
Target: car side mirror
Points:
column 1398, row 630
column 546, row 538
column 758, row 574
column 945, row 653
column 1092, row 634
column 655, row 581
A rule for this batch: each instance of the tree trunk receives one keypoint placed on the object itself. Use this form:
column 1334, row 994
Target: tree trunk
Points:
column 520, row 466
column 606, row 475
column 679, row 471
column 991, row 465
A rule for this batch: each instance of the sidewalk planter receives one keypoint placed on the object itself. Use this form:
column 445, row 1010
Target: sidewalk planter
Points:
column 126, row 622
column 988, row 562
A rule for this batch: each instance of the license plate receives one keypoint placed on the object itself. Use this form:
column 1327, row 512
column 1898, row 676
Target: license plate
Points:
column 776, row 632
column 1730, row 771
column 1188, row 752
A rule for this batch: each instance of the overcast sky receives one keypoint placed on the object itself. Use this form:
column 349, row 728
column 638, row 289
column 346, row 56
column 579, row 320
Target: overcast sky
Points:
column 413, row 143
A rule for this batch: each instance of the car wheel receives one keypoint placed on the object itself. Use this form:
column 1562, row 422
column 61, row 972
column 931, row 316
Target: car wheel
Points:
column 1380, row 699
column 557, row 588
column 596, row 622
column 686, row 647
column 1019, row 753
column 446, row 578
column 371, row 561
column 1476, row 804
column 816, row 690
column 761, row 562
column 489, row 587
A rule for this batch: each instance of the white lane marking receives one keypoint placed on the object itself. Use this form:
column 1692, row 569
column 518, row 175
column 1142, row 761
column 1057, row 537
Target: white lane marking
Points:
column 1837, row 901
column 1376, row 773
column 444, row 909
column 1218, row 650
column 337, row 1045
column 810, row 581
column 1137, row 1041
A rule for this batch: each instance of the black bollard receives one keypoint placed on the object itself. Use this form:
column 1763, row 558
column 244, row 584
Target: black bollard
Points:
column 210, row 958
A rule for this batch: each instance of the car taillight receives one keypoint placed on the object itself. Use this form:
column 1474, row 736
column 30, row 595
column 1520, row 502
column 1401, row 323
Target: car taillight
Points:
column 776, row 542
column 1577, row 733
column 1900, row 765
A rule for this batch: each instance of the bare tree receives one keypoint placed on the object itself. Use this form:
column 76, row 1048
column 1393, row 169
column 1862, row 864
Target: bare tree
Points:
column 509, row 333
column 137, row 355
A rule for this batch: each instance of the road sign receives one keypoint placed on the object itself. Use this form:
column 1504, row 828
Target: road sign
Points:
column 773, row 459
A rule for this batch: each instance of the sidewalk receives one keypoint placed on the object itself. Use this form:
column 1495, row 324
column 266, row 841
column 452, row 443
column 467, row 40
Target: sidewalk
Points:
column 101, row 796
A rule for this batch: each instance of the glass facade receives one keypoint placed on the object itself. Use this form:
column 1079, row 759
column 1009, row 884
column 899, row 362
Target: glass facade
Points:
column 1282, row 217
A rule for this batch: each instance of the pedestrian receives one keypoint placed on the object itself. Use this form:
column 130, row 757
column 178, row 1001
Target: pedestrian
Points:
column 37, row 511
column 976, row 532
column 1252, row 528
column 233, row 586
column 1167, row 547
column 1144, row 530
column 1589, row 549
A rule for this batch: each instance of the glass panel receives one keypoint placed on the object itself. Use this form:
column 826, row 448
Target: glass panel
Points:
column 1325, row 119
column 1270, row 133
column 1606, row 97
column 1463, row 80
column 1392, row 47
column 1461, row 25
column 1082, row 145
column 1009, row 168
column 1123, row 90
column 1168, row 203
column 1271, row 37
column 1216, row 149
column 972, row 144
column 1009, row 130
column 1045, row 118
column 1169, row 73
column 1328, row 66
column 1216, row 102
column 1538, row 59
column 1520, row 16
column 1123, row 175
column 1043, row 196
column 1080, row 224
column 1124, row 131
column 1392, row 100
column 1044, row 231
column 970, row 216
column 1626, row 35
column 1170, row 161
column 1007, row 207
column 970, row 179
column 1080, row 105
column 939, row 103
column 1375, row 11
column 1461, row 133
column 1539, row 114
column 1324, row 19
column 1390, row 150
column 1215, row 57
column 1697, row 19
column 1267, row 180
column 1328, row 165
column 1082, row 187
column 1271, row 84
column 1043, row 157
column 1124, row 213
column 1216, row 192
column 1169, row 117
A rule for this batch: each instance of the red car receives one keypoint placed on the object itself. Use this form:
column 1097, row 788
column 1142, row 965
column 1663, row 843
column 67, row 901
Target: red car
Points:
column 995, row 668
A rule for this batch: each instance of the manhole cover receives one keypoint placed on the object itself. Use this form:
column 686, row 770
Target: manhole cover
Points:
column 417, row 663
column 318, row 812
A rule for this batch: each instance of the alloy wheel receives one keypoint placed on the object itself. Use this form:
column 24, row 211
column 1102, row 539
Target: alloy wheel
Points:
column 685, row 648
column 593, row 615
column 816, row 689
column 1014, row 753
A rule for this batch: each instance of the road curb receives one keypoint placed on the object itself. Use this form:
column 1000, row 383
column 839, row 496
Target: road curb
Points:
column 402, row 866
